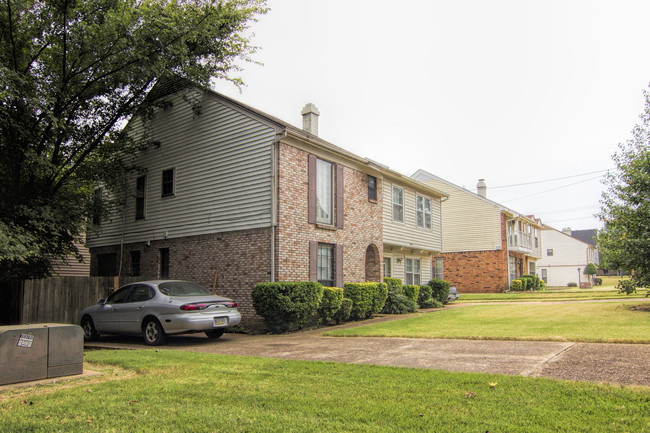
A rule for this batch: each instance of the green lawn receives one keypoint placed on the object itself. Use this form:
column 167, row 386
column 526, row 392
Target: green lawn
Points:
column 583, row 322
column 173, row 391
column 549, row 295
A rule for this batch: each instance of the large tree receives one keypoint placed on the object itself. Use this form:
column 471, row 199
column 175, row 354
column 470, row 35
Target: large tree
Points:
column 72, row 73
column 624, row 242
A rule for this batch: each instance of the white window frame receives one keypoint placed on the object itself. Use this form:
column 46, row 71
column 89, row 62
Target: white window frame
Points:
column 412, row 271
column 324, row 192
column 423, row 211
column 439, row 267
column 173, row 183
column 387, row 267
column 398, row 205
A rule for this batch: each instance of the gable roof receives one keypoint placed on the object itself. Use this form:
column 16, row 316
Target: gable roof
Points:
column 423, row 176
column 586, row 236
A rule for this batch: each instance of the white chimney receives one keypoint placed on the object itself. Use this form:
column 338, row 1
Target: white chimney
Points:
column 310, row 118
column 567, row 231
column 481, row 188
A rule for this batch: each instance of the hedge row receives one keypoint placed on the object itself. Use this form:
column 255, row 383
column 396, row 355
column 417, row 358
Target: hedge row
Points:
column 527, row 282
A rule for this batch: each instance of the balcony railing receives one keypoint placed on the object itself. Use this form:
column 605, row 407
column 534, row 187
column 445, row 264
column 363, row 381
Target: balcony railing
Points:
column 520, row 240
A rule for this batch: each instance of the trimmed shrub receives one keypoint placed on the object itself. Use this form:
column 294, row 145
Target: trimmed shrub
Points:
column 379, row 298
column 439, row 290
column 343, row 314
column 572, row 285
column 330, row 303
column 411, row 291
column 598, row 281
column 424, row 297
column 529, row 280
column 398, row 303
column 516, row 285
column 393, row 285
column 626, row 286
column 286, row 306
column 535, row 281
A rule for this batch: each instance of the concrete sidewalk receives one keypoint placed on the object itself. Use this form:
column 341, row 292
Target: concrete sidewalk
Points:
column 608, row 363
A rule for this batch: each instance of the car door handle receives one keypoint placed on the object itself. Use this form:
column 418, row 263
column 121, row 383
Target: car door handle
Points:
column 139, row 308
column 114, row 309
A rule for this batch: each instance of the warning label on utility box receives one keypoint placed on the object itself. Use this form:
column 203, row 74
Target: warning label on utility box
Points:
column 26, row 340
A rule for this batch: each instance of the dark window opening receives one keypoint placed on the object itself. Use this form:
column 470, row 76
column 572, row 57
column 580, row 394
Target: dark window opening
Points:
column 106, row 265
column 372, row 188
column 164, row 263
column 168, row 182
column 140, row 194
column 135, row 263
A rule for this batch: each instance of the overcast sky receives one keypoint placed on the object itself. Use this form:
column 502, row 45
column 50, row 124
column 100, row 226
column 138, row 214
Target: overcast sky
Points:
column 510, row 91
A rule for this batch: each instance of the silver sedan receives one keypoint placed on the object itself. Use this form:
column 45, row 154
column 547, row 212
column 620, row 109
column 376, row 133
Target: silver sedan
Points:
column 156, row 309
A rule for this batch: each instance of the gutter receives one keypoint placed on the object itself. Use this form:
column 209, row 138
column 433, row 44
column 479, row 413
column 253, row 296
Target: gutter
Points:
column 274, row 196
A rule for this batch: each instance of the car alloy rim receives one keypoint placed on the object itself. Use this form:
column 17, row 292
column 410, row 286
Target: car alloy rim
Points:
column 152, row 331
column 87, row 330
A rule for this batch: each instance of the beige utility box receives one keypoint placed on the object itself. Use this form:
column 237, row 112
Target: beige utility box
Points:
column 40, row 351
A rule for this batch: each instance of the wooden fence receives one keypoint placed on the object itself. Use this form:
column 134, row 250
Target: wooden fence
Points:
column 53, row 300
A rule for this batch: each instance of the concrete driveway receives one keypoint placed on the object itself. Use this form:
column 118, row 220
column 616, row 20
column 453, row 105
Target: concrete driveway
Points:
column 608, row 363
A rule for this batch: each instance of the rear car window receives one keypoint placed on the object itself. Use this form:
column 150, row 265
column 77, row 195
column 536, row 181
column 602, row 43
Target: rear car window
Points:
column 182, row 288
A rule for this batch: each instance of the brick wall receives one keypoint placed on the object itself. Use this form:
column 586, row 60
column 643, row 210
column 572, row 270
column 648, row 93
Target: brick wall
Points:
column 362, row 220
column 240, row 260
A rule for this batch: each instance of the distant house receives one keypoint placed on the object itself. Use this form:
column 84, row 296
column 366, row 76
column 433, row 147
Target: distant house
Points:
column 564, row 257
column 485, row 245
column 71, row 267
column 233, row 197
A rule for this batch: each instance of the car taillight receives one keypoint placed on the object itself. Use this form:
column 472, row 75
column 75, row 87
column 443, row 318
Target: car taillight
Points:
column 230, row 304
column 192, row 307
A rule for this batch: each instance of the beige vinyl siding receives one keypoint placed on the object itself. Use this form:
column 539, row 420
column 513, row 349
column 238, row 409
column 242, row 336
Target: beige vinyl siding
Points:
column 73, row 268
column 469, row 223
column 398, row 263
column 222, row 174
column 407, row 234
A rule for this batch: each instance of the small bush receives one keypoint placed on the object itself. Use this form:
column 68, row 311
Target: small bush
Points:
column 343, row 314
column 367, row 298
column 330, row 303
column 439, row 290
column 572, row 285
column 516, row 286
column 534, row 281
column 598, row 281
column 626, row 286
column 398, row 303
column 393, row 284
column 411, row 291
column 424, row 297
column 286, row 306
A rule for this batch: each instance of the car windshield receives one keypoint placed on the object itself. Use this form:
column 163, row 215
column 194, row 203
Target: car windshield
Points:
column 182, row 288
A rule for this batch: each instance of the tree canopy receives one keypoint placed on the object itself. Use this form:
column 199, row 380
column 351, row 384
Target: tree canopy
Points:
column 72, row 73
column 624, row 241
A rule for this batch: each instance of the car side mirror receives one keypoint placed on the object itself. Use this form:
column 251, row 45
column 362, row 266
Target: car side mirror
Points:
column 102, row 301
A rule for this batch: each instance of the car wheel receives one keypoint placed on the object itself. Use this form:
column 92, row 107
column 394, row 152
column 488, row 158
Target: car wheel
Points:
column 215, row 333
column 90, row 333
column 154, row 334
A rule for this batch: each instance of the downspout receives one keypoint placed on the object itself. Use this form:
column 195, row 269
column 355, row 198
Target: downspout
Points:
column 508, row 253
column 274, row 196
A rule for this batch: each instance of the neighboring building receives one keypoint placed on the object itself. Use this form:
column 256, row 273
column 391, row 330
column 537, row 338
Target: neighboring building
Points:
column 564, row 258
column 72, row 267
column 412, row 225
column 233, row 197
column 485, row 244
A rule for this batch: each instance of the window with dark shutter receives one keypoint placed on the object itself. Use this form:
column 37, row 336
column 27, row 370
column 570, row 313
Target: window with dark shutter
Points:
column 140, row 196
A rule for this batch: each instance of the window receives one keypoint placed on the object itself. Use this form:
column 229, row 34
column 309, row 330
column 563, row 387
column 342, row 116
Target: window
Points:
column 135, row 263
column 423, row 212
column 140, row 195
column 325, row 192
column 324, row 204
column 326, row 264
column 439, row 266
column 141, row 293
column 545, row 275
column 398, row 204
column 372, row 188
column 164, row 263
column 531, row 268
column 536, row 238
column 388, row 268
column 119, row 297
column 168, row 182
column 513, row 268
column 412, row 271
column 106, row 265
column 549, row 252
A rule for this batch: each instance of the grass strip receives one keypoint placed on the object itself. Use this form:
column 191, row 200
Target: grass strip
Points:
column 580, row 322
column 174, row 391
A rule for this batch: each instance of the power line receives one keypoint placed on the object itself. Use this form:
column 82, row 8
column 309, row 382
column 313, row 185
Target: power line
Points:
column 553, row 189
column 551, row 180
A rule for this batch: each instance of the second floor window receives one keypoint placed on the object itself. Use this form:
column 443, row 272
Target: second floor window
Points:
column 324, row 192
column 140, row 196
column 398, row 204
column 372, row 188
column 423, row 212
column 168, row 182
column 549, row 252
